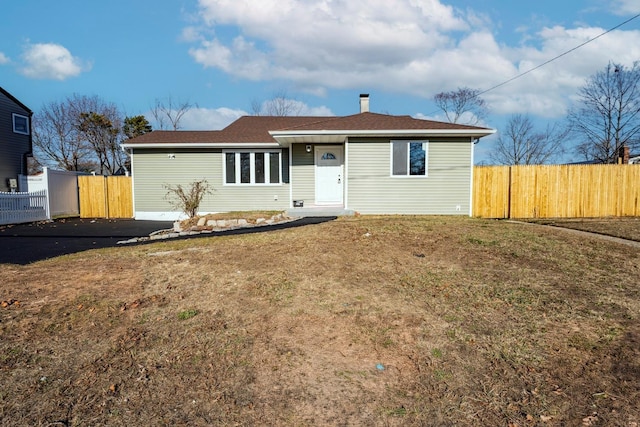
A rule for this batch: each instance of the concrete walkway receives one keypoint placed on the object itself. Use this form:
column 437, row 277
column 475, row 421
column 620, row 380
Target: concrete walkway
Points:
column 619, row 240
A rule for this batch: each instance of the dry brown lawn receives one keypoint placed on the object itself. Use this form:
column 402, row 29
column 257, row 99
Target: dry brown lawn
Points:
column 361, row 321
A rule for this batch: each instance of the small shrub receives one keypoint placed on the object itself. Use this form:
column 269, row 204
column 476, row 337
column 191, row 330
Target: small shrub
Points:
column 187, row 199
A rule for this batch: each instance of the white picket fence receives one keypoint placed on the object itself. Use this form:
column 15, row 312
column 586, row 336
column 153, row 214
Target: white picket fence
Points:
column 17, row 208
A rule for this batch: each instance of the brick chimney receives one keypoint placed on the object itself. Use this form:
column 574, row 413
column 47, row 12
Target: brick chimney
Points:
column 623, row 155
column 364, row 102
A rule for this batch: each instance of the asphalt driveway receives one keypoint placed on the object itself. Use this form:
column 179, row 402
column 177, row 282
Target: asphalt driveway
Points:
column 27, row 243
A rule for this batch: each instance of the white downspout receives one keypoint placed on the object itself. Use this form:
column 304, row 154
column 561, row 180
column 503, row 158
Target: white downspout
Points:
column 290, row 160
column 133, row 187
column 473, row 144
column 346, row 174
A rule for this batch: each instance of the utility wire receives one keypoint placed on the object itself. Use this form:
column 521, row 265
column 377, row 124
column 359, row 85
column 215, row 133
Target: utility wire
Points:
column 558, row 57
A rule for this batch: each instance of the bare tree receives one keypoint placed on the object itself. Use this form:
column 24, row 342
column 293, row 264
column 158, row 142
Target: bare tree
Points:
column 168, row 112
column 281, row 104
column 607, row 114
column 56, row 138
column 100, row 127
column 464, row 106
column 522, row 144
column 80, row 133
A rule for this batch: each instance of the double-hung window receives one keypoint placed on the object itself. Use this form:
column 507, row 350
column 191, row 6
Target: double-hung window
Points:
column 258, row 167
column 409, row 158
column 20, row 124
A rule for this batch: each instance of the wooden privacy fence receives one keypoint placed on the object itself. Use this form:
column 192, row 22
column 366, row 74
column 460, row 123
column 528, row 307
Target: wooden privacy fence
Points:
column 105, row 197
column 560, row 191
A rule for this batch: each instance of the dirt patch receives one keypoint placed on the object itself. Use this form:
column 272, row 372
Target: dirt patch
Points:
column 359, row 321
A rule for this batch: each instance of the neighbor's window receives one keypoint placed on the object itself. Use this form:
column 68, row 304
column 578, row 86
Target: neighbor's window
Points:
column 20, row 124
column 409, row 158
column 252, row 167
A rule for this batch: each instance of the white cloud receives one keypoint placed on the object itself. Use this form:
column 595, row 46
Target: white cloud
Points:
column 625, row 7
column 199, row 118
column 546, row 91
column 3, row 59
column 297, row 38
column 293, row 107
column 191, row 34
column 417, row 47
column 209, row 118
column 316, row 111
column 51, row 61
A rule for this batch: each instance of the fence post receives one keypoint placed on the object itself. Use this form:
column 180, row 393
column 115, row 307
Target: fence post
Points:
column 105, row 184
column 509, row 189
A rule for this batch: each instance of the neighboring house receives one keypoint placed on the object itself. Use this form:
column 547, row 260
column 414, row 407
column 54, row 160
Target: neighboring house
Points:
column 15, row 140
column 370, row 163
column 623, row 158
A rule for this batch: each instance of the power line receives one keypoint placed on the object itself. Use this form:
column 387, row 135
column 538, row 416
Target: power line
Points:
column 559, row 56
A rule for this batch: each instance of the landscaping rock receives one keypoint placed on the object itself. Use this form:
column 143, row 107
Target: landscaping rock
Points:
column 209, row 226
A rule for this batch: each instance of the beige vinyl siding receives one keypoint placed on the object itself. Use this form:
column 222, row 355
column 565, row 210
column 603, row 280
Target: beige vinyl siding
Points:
column 153, row 168
column 303, row 174
column 372, row 190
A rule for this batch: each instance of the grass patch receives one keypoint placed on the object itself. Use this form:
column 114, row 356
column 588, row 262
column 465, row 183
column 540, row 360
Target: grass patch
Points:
column 475, row 322
column 187, row 314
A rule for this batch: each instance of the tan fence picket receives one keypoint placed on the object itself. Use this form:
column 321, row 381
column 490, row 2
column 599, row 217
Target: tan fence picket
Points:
column 105, row 197
column 119, row 197
column 559, row 191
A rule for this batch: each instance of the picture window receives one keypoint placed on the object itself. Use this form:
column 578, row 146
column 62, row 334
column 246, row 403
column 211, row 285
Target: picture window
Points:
column 252, row 167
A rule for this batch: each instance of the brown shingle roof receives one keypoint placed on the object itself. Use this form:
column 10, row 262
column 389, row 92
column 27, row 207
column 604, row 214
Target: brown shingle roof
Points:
column 374, row 121
column 177, row 136
column 255, row 129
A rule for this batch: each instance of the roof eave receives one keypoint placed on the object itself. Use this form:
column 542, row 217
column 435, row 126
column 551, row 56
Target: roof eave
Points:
column 16, row 100
column 202, row 145
column 287, row 137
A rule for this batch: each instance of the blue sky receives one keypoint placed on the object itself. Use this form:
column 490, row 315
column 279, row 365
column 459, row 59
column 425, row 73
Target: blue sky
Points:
column 223, row 55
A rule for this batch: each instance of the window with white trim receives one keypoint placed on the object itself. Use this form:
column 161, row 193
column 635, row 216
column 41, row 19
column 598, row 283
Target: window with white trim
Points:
column 20, row 124
column 257, row 167
column 409, row 158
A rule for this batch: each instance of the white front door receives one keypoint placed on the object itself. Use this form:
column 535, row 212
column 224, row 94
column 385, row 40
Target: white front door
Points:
column 329, row 174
